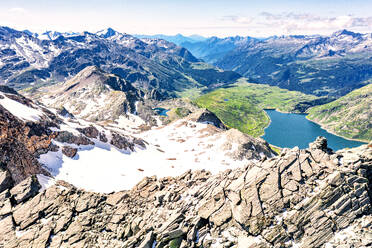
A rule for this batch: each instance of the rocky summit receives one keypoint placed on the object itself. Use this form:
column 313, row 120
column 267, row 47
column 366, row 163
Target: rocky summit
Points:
column 93, row 95
column 301, row 198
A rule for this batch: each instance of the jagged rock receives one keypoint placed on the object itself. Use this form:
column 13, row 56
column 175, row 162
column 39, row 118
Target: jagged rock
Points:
column 102, row 137
column 90, row 131
column 25, row 189
column 7, row 230
column 115, row 198
column 67, row 137
column 6, row 181
column 249, row 148
column 69, row 151
column 288, row 200
column 212, row 205
column 19, row 143
column 5, row 203
column 148, row 241
column 205, row 116
column 121, row 142
column 320, row 143
column 63, row 112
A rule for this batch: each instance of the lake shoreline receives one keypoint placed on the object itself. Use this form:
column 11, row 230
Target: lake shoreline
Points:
column 321, row 125
column 293, row 129
column 332, row 132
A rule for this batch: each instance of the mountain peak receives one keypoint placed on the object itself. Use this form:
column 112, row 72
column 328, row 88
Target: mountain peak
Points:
column 89, row 70
column 345, row 32
column 106, row 33
column 28, row 32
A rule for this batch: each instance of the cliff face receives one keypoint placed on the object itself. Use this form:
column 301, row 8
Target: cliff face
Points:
column 22, row 139
column 302, row 198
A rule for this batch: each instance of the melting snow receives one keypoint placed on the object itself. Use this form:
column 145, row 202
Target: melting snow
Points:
column 20, row 110
column 173, row 150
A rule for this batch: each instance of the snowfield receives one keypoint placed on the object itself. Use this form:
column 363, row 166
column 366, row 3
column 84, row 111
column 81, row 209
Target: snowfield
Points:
column 102, row 167
column 171, row 151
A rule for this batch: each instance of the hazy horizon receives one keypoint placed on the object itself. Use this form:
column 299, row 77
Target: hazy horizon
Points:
column 207, row 18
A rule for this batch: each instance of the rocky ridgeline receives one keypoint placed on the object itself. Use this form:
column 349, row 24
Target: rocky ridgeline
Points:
column 301, row 198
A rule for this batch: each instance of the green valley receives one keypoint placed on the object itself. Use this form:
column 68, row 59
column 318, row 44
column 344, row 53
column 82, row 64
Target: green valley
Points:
column 241, row 105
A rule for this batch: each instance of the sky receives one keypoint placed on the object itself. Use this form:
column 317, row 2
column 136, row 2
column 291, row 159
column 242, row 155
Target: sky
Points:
column 258, row 18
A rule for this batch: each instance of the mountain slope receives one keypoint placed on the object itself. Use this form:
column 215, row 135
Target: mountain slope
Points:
column 349, row 116
column 320, row 65
column 92, row 95
column 148, row 64
column 333, row 65
column 113, row 156
column 214, row 49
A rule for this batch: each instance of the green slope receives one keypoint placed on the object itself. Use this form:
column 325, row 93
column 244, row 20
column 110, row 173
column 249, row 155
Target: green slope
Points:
column 349, row 116
column 241, row 105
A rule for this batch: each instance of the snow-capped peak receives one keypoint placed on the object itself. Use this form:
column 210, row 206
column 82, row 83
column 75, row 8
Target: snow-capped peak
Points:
column 106, row 33
column 53, row 35
column 345, row 32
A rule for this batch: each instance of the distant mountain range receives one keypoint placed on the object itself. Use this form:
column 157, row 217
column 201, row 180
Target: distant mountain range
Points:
column 214, row 49
column 322, row 65
column 28, row 59
column 177, row 39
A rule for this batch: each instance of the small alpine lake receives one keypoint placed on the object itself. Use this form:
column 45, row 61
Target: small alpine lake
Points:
column 161, row 111
column 290, row 130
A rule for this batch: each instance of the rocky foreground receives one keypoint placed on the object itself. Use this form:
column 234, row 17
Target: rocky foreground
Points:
column 302, row 198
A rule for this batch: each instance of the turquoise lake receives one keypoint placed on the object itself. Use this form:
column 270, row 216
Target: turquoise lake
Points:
column 290, row 130
column 161, row 111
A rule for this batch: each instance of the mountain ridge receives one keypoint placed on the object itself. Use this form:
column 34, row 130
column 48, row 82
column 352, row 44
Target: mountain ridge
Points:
column 92, row 94
column 322, row 65
column 148, row 64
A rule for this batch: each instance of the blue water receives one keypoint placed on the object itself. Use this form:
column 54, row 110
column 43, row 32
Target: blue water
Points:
column 290, row 130
column 164, row 112
column 161, row 111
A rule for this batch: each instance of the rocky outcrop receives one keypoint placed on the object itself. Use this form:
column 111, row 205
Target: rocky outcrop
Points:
column 6, row 181
column 21, row 141
column 69, row 151
column 206, row 116
column 301, row 198
column 248, row 147
column 25, row 190
column 68, row 137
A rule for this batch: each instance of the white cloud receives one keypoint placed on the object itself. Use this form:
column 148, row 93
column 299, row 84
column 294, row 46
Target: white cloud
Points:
column 298, row 23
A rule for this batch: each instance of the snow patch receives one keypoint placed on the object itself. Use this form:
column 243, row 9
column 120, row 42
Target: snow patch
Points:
column 45, row 181
column 20, row 110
